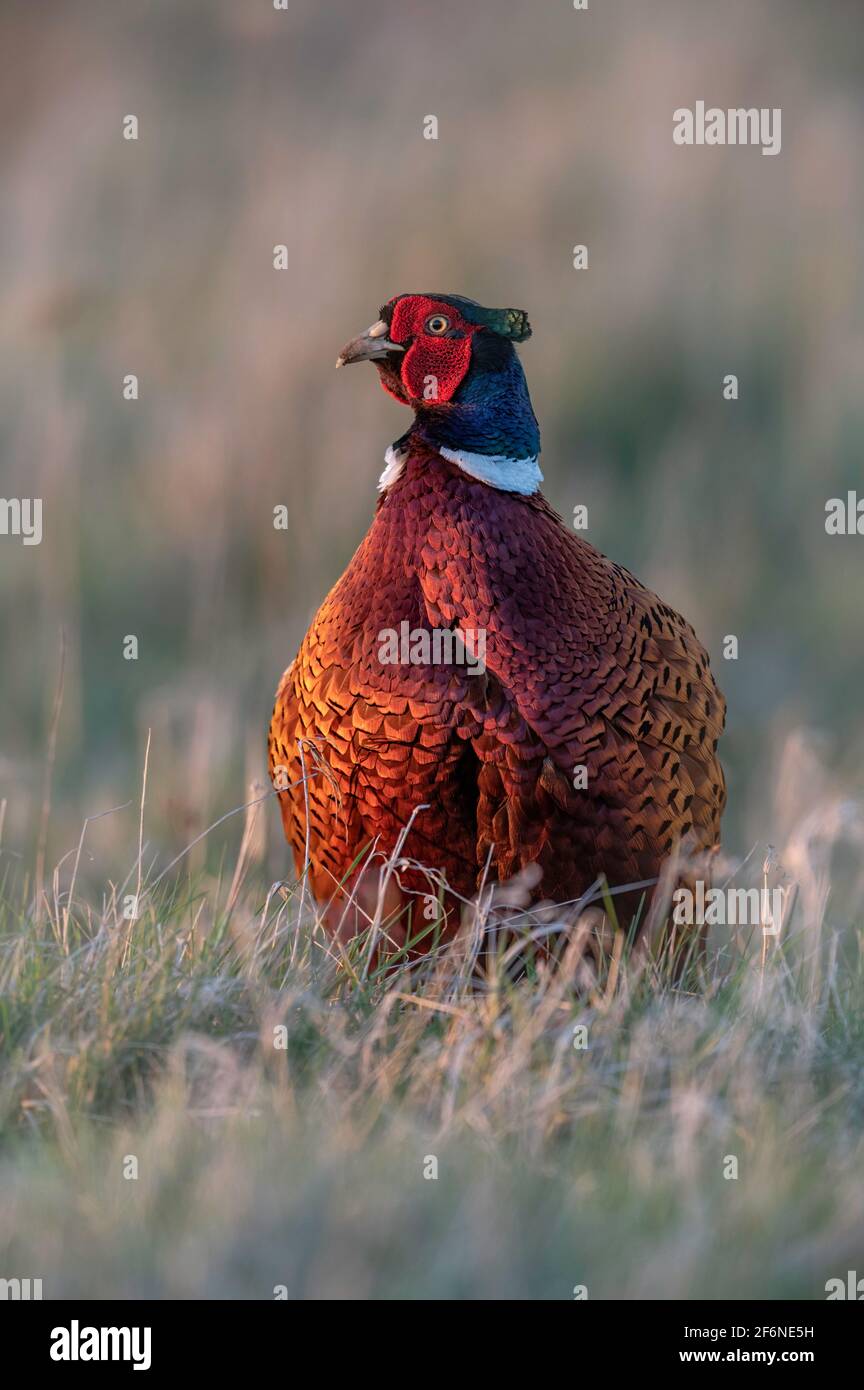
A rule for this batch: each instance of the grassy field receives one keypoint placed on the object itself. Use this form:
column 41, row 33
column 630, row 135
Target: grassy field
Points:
column 207, row 1102
column 303, row 1167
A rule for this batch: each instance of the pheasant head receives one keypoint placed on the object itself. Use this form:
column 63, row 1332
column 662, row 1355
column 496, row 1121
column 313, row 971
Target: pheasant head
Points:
column 453, row 362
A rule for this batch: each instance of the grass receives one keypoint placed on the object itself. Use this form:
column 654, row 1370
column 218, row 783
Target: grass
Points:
column 303, row 1167
column 283, row 1102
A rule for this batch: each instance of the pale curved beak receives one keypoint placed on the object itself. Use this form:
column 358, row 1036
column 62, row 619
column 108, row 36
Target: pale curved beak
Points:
column 370, row 345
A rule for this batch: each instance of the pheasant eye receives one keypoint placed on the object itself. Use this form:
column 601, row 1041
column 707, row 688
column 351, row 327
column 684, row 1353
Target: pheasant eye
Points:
column 438, row 323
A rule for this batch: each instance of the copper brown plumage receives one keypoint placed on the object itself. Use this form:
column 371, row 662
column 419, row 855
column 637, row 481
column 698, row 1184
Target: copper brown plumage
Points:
column 585, row 669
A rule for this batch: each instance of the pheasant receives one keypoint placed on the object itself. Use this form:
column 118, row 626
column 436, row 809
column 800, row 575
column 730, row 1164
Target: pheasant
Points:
column 483, row 690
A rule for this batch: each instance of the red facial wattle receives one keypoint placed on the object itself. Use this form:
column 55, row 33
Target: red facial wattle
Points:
column 433, row 367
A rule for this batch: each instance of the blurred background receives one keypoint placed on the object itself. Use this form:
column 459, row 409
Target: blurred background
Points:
column 305, row 128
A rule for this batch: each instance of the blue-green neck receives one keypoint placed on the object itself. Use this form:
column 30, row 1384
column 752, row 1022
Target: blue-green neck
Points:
column 490, row 413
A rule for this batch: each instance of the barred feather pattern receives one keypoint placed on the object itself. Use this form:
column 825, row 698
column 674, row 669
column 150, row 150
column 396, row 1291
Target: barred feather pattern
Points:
column 584, row 668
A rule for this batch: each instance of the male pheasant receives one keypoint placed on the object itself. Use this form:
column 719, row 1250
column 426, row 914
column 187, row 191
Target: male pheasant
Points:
column 566, row 718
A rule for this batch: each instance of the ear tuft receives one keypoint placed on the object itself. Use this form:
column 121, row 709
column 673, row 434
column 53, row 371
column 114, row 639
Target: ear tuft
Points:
column 518, row 327
column 508, row 323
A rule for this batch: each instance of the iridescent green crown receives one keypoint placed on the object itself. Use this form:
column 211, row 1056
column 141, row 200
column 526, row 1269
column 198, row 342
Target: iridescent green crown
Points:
column 509, row 323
